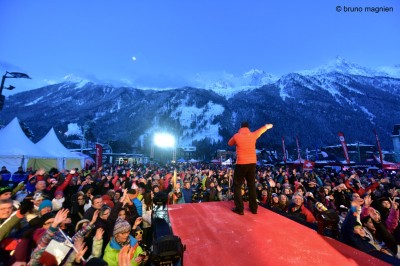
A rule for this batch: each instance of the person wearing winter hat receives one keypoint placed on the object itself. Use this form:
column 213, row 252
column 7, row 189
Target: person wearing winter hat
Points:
column 58, row 200
column 46, row 220
column 44, row 214
column 38, row 197
column 274, row 204
column 5, row 192
column 81, row 224
column 121, row 237
column 108, row 201
column 45, row 207
column 4, row 170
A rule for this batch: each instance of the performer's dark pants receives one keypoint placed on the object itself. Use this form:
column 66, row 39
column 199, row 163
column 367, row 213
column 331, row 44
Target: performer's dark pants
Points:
column 248, row 172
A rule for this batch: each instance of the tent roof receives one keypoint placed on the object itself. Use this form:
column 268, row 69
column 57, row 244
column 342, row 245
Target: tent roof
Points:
column 14, row 143
column 52, row 145
column 227, row 162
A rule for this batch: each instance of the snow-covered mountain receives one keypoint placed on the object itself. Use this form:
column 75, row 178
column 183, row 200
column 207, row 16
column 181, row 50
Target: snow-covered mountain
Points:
column 340, row 65
column 229, row 84
column 313, row 105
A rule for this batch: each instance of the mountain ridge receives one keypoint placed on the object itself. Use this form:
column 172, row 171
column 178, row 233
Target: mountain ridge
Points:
column 312, row 107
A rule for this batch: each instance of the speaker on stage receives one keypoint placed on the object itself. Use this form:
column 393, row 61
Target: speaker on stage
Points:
column 168, row 250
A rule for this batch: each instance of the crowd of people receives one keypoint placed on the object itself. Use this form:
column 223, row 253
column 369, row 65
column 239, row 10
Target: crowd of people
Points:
column 104, row 216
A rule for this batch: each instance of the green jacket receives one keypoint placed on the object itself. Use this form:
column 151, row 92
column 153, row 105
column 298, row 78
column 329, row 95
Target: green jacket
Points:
column 9, row 224
column 113, row 248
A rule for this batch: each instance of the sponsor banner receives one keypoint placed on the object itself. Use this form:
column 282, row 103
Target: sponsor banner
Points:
column 99, row 156
column 344, row 146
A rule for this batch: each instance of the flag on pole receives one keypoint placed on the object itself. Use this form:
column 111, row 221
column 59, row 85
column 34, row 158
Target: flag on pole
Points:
column 298, row 149
column 344, row 146
column 284, row 150
column 308, row 165
column 18, row 75
column 99, row 156
column 379, row 148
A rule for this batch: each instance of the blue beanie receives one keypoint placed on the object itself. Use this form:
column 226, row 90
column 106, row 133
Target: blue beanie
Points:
column 44, row 204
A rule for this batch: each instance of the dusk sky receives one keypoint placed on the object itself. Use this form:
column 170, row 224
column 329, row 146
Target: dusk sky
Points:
column 172, row 43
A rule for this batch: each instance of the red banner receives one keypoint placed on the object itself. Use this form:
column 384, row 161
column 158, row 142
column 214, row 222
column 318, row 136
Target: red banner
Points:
column 308, row 165
column 284, row 150
column 99, row 156
column 379, row 147
column 344, row 146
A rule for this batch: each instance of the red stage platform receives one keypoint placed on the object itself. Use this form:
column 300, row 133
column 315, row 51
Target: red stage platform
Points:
column 214, row 235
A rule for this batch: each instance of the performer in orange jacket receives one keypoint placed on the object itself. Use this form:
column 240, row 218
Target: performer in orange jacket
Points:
column 246, row 160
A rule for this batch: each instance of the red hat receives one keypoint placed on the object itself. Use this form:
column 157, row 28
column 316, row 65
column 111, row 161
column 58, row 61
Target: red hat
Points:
column 108, row 201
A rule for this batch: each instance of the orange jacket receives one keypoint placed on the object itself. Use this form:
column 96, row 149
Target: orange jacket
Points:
column 245, row 142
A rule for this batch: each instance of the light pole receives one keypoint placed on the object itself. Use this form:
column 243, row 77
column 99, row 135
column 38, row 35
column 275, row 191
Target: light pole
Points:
column 165, row 140
column 12, row 75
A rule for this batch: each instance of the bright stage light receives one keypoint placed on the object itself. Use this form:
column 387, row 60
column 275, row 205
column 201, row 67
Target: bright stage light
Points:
column 164, row 140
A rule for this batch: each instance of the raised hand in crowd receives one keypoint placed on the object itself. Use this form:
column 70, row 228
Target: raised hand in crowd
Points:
column 354, row 176
column 80, row 249
column 357, row 203
column 99, row 234
column 393, row 192
column 61, row 216
column 95, row 216
column 375, row 216
column 393, row 203
column 41, row 171
column 125, row 255
column 137, row 222
column 342, row 187
column 271, row 182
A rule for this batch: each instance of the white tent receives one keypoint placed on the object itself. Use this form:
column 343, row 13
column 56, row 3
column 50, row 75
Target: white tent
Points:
column 227, row 162
column 16, row 149
column 88, row 161
column 65, row 159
